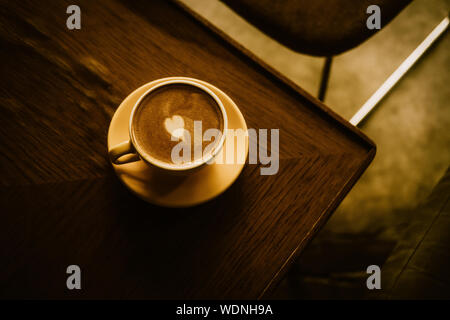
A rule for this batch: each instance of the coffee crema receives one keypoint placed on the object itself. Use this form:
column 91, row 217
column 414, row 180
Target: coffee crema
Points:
column 170, row 107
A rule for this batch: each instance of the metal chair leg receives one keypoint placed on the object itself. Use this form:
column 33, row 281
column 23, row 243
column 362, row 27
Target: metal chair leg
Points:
column 324, row 79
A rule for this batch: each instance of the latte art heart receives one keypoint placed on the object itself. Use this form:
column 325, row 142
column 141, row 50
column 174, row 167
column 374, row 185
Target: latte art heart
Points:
column 175, row 126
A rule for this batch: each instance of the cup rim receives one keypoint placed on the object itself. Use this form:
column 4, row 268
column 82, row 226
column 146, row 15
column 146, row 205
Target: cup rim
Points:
column 190, row 165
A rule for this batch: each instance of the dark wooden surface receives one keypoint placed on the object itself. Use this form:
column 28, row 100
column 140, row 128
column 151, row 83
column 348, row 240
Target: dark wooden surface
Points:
column 61, row 203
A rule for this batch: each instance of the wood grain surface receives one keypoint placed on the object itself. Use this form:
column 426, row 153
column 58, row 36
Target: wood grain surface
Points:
column 61, row 203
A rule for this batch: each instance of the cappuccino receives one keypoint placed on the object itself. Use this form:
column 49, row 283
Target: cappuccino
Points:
column 163, row 112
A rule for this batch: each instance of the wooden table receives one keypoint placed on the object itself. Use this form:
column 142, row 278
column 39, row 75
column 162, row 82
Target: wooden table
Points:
column 61, row 203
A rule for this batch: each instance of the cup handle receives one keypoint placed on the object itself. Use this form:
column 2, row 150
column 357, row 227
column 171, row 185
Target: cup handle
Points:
column 124, row 148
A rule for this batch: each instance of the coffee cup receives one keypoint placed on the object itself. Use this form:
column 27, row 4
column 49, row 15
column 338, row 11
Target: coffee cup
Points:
column 170, row 116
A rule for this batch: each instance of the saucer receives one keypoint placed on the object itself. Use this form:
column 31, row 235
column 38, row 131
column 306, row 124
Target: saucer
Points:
column 171, row 190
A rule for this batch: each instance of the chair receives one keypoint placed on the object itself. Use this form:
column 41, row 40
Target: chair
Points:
column 320, row 27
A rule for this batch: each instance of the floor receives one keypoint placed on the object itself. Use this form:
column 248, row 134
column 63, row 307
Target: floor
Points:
column 410, row 127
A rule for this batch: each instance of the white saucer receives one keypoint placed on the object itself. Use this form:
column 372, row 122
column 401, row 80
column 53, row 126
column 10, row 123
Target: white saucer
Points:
column 173, row 190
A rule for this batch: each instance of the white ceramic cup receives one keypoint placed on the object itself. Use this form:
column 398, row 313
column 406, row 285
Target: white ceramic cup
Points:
column 130, row 150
